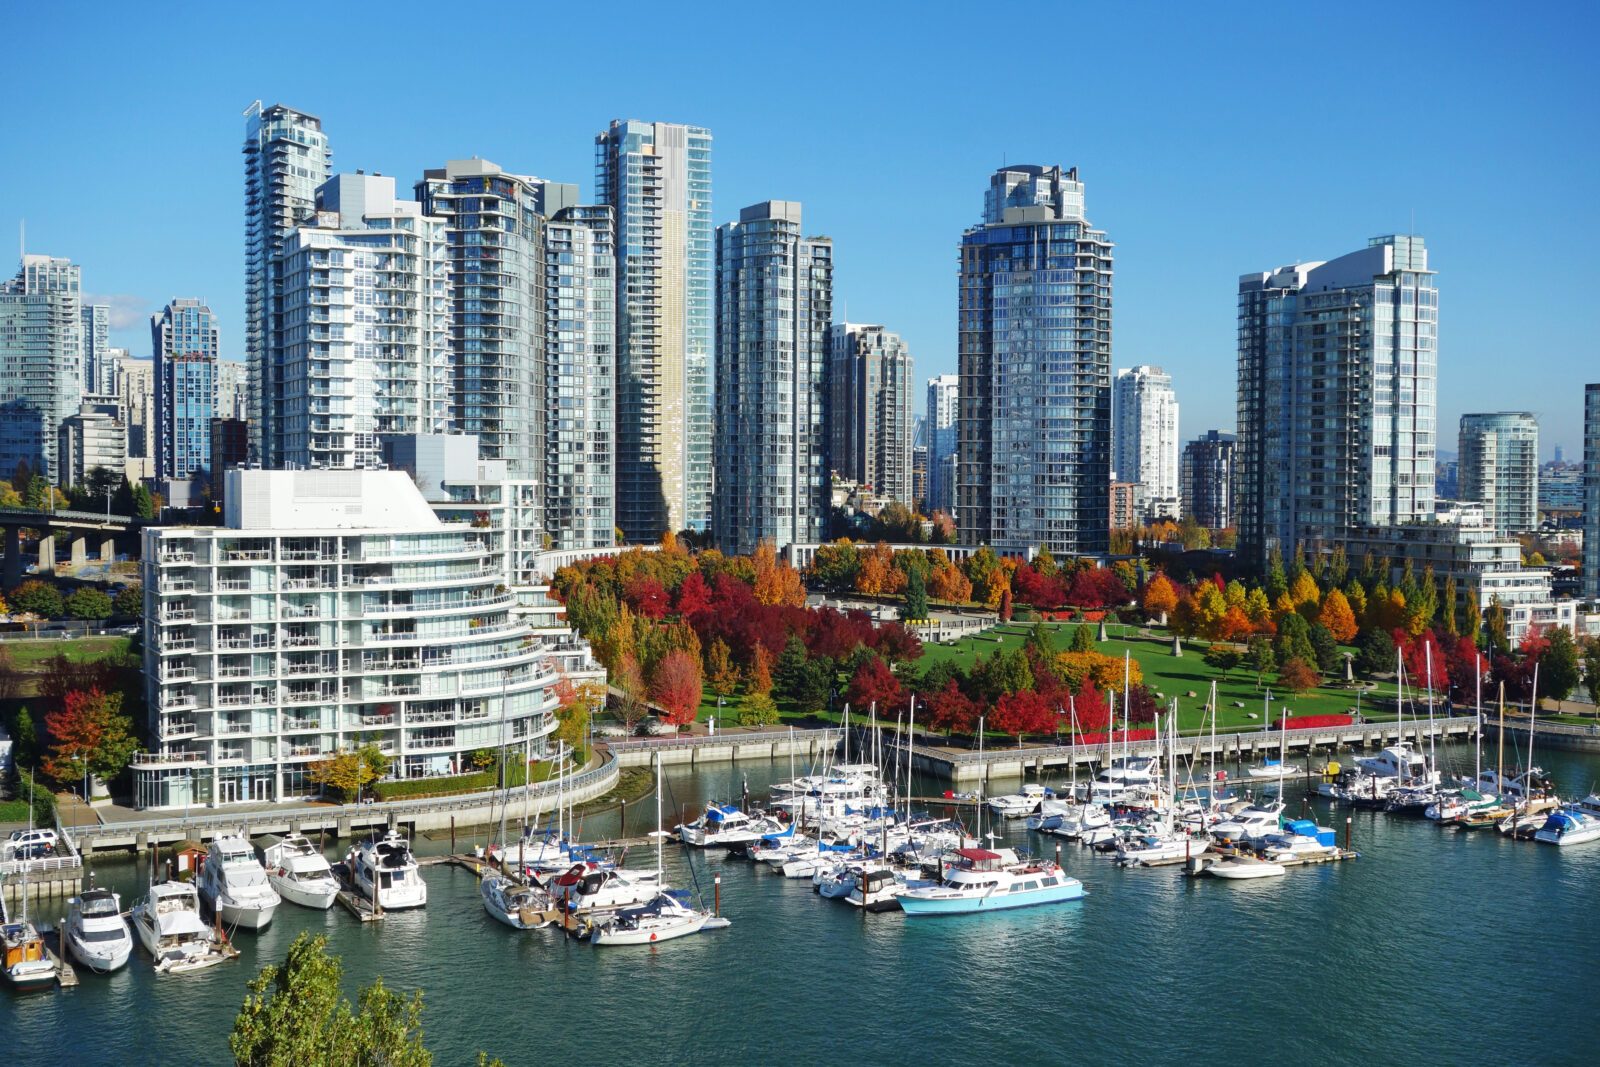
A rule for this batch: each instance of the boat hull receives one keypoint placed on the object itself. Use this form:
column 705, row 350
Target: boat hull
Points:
column 30, row 977
column 915, row 903
column 248, row 917
column 104, row 957
column 606, row 936
column 299, row 893
column 1245, row 871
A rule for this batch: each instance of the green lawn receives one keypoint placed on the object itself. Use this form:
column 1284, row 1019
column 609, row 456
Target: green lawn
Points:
column 29, row 655
column 1175, row 677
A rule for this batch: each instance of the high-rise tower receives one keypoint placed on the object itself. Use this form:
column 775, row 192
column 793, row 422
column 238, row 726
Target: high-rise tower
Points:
column 286, row 157
column 943, row 406
column 869, row 420
column 1498, row 463
column 1144, row 424
column 656, row 177
column 184, row 344
column 41, row 362
column 1034, row 432
column 774, row 306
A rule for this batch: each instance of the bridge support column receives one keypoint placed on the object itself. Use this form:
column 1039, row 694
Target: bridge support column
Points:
column 80, row 551
column 11, row 572
column 47, row 554
column 108, row 551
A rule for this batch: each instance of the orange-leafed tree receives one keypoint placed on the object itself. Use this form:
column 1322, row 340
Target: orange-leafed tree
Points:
column 776, row 582
column 1338, row 617
column 1297, row 676
column 760, row 676
column 1160, row 598
column 677, row 687
column 720, row 669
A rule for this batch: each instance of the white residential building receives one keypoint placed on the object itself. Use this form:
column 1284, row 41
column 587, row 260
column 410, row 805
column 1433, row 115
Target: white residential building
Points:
column 333, row 609
column 1144, row 427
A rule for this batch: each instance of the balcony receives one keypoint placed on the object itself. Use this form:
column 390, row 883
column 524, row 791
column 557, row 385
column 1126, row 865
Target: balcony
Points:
column 177, row 702
column 177, row 674
column 301, row 641
column 414, row 717
column 177, row 557
column 234, row 729
column 307, row 668
column 431, row 742
column 233, row 585
column 178, row 729
column 247, row 555
column 301, row 725
column 237, row 700
column 178, row 615
column 170, row 647
column 146, row 760
column 177, row 585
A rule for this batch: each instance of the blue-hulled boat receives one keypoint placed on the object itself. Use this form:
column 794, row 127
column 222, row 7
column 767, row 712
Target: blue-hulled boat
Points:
column 984, row 880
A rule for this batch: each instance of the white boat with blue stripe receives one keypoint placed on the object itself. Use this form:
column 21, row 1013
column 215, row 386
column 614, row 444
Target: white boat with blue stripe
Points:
column 984, row 880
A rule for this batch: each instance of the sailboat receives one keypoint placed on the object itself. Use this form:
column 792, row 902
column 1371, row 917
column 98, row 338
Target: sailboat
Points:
column 520, row 906
column 665, row 917
column 27, row 965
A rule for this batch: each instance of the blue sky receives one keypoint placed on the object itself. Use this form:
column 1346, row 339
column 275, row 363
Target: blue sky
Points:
column 1213, row 139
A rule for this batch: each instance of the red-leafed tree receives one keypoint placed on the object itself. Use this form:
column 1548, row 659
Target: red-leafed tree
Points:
column 648, row 597
column 874, row 682
column 1419, row 652
column 1023, row 713
column 676, row 687
column 694, row 596
column 1087, row 710
column 951, row 710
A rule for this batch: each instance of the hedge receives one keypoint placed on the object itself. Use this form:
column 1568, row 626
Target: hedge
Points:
column 450, row 785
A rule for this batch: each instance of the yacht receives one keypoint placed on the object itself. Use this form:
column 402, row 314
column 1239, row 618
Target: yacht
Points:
column 1569, row 826
column 1400, row 762
column 27, row 963
column 725, row 824
column 234, row 884
column 1300, row 838
column 1125, row 778
column 1249, row 824
column 300, row 873
column 521, row 907
column 984, row 880
column 590, row 887
column 169, row 926
column 95, row 932
column 1021, row 804
column 664, row 917
column 382, row 870
column 1155, row 844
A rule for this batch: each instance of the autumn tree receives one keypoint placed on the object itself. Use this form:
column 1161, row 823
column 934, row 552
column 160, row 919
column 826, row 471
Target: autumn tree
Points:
column 628, row 680
column 760, row 678
column 946, row 582
column 951, row 710
column 1160, row 598
column 1338, row 617
column 775, row 581
column 90, row 737
column 676, row 687
column 1023, row 713
column 37, row 598
column 758, row 710
column 720, row 669
column 1298, row 676
column 350, row 770
column 874, row 683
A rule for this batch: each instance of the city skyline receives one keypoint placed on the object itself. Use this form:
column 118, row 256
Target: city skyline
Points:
column 1154, row 174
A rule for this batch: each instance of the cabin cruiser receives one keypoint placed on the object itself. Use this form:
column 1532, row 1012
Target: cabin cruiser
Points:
column 1412, row 800
column 1300, row 838
column 725, row 824
column 234, row 884
column 169, row 926
column 1155, row 844
column 300, row 873
column 1125, row 778
column 521, row 907
column 985, row 880
column 95, row 932
column 1531, row 782
column 1249, row 824
column 1589, row 805
column 664, row 917
column 1569, row 826
column 588, row 887
column 382, row 870
column 1021, row 804
column 1400, row 762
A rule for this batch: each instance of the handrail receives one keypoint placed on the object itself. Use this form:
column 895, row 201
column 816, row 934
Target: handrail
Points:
column 731, row 737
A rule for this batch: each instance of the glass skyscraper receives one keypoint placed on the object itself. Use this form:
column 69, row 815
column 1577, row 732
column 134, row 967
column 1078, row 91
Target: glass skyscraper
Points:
column 41, row 363
column 940, row 434
column 286, row 157
column 656, row 176
column 1498, row 465
column 869, row 420
column 1336, row 404
column 1144, row 425
column 99, row 375
column 1591, row 491
column 183, row 341
column 1034, row 430
column 774, row 308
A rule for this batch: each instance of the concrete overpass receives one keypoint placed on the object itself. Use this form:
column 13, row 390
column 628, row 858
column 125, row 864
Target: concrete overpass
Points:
column 82, row 526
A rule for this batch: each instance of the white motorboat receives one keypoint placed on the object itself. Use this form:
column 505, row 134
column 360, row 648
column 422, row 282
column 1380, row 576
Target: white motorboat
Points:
column 725, row 824
column 1300, row 838
column 1240, row 870
column 521, row 907
column 1157, row 845
column 95, row 932
column 382, row 869
column 169, row 926
column 1272, row 770
column 1589, row 805
column 1021, row 804
column 1124, row 779
column 1249, row 824
column 300, row 873
column 27, row 963
column 233, row 883
column 664, row 918
column 590, row 887
column 1569, row 826
column 1400, row 762
column 985, row 880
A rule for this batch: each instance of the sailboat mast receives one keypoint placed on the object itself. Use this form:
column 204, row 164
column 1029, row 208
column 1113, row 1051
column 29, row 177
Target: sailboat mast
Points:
column 1427, row 656
column 660, row 867
column 1477, row 733
column 1211, row 788
column 1500, row 759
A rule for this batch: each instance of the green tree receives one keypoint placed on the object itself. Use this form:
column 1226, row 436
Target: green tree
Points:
column 1325, row 648
column 1558, row 667
column 1294, row 640
column 294, row 1014
column 1223, row 658
column 129, row 600
column 1494, row 625
column 1277, row 580
column 1591, row 670
column 1082, row 639
column 1039, row 640
column 789, row 674
column 37, row 598
column 916, row 604
column 1375, row 653
column 1263, row 660
column 25, row 740
column 758, row 710
column 87, row 602
column 38, row 492
column 144, row 503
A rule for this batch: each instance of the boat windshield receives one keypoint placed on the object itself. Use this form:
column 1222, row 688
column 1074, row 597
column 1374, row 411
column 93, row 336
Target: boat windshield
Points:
column 97, row 905
column 105, row 933
column 240, row 877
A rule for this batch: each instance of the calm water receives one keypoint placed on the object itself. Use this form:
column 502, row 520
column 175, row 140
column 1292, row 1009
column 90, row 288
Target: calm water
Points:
column 1433, row 948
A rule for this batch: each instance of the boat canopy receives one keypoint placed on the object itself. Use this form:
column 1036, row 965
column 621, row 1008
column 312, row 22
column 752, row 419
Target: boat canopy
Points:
column 725, row 811
column 977, row 855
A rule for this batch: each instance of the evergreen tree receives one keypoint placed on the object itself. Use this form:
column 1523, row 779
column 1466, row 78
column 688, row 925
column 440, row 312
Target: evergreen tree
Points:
column 916, row 604
column 1082, row 640
column 1277, row 581
column 1449, row 606
column 789, row 675
column 1325, row 648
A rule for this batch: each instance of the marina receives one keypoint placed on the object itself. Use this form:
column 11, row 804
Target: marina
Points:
column 1145, row 921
